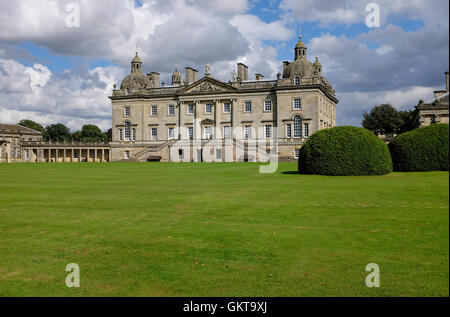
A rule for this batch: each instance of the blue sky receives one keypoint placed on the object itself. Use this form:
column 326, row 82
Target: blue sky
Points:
column 50, row 73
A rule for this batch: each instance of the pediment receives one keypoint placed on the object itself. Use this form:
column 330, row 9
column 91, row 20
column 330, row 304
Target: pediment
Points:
column 207, row 85
column 207, row 121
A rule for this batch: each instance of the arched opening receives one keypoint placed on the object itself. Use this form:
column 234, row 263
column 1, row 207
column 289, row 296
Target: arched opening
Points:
column 127, row 131
column 297, row 126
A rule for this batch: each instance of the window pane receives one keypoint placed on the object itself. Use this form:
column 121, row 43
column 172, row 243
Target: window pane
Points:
column 227, row 132
column 208, row 132
column 297, row 127
column 248, row 132
column 248, row 106
column 306, row 130
column 127, row 131
column 268, row 131
column 288, row 131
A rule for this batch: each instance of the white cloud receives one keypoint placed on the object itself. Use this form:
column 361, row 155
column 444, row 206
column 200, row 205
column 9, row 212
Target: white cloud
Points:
column 353, row 104
column 375, row 67
column 73, row 97
column 434, row 13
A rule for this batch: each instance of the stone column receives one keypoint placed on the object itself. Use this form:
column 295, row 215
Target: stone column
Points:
column 233, row 136
column 180, row 107
column 39, row 155
column 8, row 152
column 64, row 155
column 216, row 103
column 103, row 155
column 197, row 125
column 95, row 155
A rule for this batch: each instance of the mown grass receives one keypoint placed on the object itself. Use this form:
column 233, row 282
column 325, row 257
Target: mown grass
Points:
column 220, row 230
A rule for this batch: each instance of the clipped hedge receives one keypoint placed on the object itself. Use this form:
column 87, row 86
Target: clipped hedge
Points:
column 344, row 151
column 421, row 150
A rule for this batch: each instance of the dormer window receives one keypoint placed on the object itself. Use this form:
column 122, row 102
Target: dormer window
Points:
column 297, row 81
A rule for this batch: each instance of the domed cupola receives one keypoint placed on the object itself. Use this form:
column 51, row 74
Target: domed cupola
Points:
column 300, row 67
column 136, row 80
column 177, row 79
column 300, row 49
column 317, row 65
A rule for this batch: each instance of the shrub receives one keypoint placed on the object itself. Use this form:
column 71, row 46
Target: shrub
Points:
column 344, row 151
column 421, row 150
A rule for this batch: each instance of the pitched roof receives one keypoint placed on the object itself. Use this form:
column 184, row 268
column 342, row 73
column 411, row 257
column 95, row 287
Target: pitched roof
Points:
column 14, row 128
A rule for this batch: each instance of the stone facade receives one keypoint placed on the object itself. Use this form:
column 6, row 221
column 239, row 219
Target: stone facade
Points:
column 207, row 119
column 437, row 110
column 12, row 138
column 19, row 144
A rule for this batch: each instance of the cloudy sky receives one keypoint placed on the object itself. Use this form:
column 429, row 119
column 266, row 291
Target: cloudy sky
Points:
column 52, row 73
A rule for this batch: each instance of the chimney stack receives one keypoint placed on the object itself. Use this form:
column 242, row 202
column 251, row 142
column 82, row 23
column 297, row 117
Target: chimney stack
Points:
column 446, row 81
column 285, row 65
column 189, row 75
column 155, row 79
column 242, row 72
column 195, row 75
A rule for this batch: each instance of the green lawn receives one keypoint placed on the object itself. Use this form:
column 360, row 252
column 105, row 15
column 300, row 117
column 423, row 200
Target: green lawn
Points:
column 141, row 229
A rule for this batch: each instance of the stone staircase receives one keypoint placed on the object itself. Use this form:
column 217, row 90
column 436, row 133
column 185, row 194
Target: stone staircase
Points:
column 153, row 151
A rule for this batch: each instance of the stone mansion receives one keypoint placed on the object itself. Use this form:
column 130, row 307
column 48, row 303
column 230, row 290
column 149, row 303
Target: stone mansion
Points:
column 207, row 119
column 196, row 120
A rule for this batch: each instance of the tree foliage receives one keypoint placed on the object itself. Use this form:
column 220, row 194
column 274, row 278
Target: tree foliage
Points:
column 92, row 133
column 32, row 125
column 342, row 151
column 57, row 132
column 386, row 119
column 383, row 119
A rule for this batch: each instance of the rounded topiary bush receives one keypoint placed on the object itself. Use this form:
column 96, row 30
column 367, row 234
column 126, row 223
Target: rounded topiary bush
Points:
column 421, row 150
column 344, row 151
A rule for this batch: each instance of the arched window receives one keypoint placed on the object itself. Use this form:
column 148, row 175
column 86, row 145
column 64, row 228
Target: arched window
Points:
column 297, row 127
column 127, row 131
column 297, row 81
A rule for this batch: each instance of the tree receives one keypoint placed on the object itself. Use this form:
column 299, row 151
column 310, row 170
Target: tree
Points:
column 32, row 125
column 109, row 134
column 76, row 136
column 383, row 119
column 58, row 132
column 410, row 120
column 92, row 133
